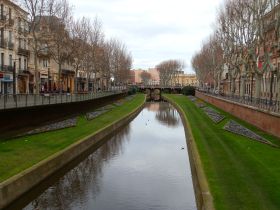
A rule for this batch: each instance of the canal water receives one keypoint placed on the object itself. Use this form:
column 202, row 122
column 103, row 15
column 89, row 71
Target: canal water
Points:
column 145, row 165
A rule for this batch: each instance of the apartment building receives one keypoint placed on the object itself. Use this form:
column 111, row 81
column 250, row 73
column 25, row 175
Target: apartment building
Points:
column 14, row 74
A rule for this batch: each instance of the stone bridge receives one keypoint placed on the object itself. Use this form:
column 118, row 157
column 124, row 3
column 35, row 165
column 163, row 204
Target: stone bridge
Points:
column 152, row 90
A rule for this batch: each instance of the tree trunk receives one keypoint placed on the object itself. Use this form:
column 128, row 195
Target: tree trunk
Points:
column 76, row 81
column 271, row 87
column 59, row 78
column 37, row 78
column 242, row 86
column 258, row 87
column 219, row 82
column 232, row 86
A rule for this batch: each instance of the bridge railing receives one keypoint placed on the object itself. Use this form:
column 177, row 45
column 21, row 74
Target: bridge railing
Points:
column 159, row 87
column 9, row 101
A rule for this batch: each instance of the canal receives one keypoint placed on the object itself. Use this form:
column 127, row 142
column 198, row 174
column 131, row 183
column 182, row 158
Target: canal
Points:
column 145, row 165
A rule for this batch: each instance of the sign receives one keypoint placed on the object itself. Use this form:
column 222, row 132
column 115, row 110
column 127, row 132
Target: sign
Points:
column 1, row 76
column 7, row 78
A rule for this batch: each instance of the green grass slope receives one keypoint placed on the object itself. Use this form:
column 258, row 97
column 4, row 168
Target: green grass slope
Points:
column 242, row 173
column 19, row 154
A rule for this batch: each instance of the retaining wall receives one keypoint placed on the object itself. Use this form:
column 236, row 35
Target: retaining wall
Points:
column 204, row 200
column 16, row 186
column 264, row 120
column 20, row 120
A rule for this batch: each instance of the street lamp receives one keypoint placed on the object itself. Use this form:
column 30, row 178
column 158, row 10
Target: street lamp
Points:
column 14, row 77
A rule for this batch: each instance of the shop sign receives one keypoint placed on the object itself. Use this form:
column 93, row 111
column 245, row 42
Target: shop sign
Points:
column 7, row 77
column 44, row 76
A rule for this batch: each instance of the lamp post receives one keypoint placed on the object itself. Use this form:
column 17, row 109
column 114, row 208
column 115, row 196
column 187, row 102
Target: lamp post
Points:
column 49, row 83
column 14, row 79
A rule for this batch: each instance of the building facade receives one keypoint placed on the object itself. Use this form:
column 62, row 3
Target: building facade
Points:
column 15, row 76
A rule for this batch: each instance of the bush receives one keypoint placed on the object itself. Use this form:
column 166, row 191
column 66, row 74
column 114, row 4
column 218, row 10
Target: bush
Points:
column 132, row 90
column 188, row 90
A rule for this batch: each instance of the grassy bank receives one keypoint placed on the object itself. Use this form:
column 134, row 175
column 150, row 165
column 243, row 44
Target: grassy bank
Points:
column 241, row 173
column 19, row 154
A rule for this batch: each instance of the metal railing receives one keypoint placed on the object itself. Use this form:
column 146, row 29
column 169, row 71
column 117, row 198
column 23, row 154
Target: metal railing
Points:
column 10, row 101
column 262, row 103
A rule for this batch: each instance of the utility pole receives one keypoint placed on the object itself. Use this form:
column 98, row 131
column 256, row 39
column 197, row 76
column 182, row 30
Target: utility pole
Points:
column 14, row 79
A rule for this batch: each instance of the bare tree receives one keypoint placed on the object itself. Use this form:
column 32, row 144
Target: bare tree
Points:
column 36, row 9
column 168, row 70
column 96, row 41
column 146, row 77
column 79, row 36
column 59, row 45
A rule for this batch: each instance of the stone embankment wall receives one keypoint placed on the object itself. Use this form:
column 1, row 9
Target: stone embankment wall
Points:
column 16, row 186
column 264, row 120
column 204, row 200
column 20, row 120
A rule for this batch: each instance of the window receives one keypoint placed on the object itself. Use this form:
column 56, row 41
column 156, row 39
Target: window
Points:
column 10, row 13
column 11, row 60
column 2, row 59
column 19, row 24
column 19, row 63
column 19, row 43
column 2, row 35
column 2, row 12
column 10, row 36
column 45, row 63
column 25, row 64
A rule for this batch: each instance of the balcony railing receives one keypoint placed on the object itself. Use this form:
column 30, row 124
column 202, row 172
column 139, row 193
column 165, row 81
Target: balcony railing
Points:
column 44, row 53
column 23, row 52
column 3, row 18
column 6, row 68
column 23, row 71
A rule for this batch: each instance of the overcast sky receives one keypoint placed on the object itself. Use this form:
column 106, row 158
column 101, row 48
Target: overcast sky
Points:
column 154, row 30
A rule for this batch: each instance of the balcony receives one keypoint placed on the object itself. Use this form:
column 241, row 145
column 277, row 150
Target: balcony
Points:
column 3, row 44
column 44, row 53
column 68, row 72
column 23, row 71
column 11, row 45
column 3, row 18
column 6, row 68
column 23, row 52
column 11, row 22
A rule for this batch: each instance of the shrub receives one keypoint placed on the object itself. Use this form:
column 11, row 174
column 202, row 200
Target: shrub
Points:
column 132, row 90
column 188, row 90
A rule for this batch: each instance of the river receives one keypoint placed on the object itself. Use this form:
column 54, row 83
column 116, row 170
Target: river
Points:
column 145, row 165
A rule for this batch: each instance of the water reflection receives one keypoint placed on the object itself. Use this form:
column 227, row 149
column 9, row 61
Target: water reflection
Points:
column 167, row 115
column 84, row 180
column 141, row 167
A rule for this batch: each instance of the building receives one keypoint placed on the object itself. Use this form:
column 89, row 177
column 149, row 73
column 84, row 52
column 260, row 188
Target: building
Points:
column 15, row 76
column 135, row 76
column 154, row 76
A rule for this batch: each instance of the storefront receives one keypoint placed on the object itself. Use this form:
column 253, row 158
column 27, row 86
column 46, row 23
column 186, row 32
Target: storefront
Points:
column 81, row 84
column 68, row 80
column 43, row 81
column 6, row 83
column 23, row 83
